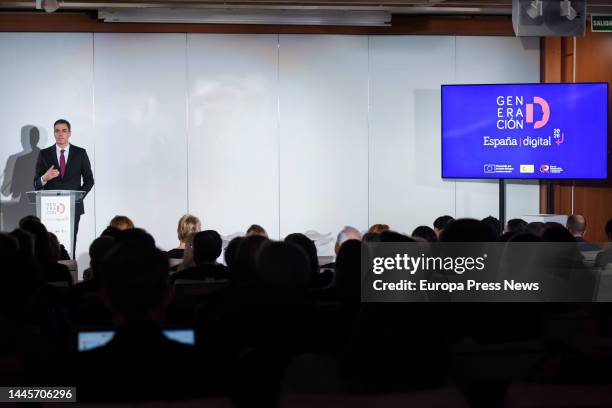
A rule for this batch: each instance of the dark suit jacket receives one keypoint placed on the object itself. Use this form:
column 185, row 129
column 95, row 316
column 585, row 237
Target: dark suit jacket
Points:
column 77, row 166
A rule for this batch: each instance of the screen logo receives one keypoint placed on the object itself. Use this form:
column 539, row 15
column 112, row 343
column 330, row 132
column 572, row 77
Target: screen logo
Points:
column 544, row 168
column 513, row 112
column 545, row 112
column 489, row 168
column 527, row 168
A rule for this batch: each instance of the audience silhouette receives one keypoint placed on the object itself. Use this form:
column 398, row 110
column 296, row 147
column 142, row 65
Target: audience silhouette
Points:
column 270, row 305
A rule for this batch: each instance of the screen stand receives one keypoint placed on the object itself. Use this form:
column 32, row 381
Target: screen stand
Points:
column 550, row 199
column 502, row 203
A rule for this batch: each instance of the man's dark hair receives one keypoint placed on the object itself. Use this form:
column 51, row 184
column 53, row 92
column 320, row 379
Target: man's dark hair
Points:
column 26, row 242
column 536, row 228
column 525, row 237
column 494, row 224
column 62, row 122
column 467, row 230
column 206, row 247
column 42, row 248
column 135, row 277
column 282, row 269
column 441, row 222
column 516, row 225
column 136, row 236
column 576, row 224
column 348, row 272
column 244, row 265
column 392, row 236
column 111, row 232
column 371, row 237
column 98, row 249
column 425, row 233
column 231, row 250
column 28, row 218
column 308, row 246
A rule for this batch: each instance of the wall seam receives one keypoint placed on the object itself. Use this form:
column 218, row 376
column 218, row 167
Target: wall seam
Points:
column 368, row 117
column 187, row 121
column 93, row 122
column 278, row 130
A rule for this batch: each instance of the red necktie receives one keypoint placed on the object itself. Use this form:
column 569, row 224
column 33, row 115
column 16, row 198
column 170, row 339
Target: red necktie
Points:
column 62, row 163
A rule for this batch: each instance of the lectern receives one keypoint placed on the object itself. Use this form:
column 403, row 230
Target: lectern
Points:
column 56, row 210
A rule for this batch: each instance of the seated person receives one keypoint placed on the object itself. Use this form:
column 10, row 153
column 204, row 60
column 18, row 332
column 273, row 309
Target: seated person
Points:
column 56, row 272
column 206, row 249
column 319, row 279
column 139, row 362
column 440, row 223
column 46, row 252
column 378, row 228
column 425, row 233
column 121, row 222
column 576, row 225
column 187, row 225
column 85, row 307
column 605, row 257
column 256, row 230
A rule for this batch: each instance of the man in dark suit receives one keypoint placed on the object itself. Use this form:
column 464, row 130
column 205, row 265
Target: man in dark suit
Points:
column 61, row 167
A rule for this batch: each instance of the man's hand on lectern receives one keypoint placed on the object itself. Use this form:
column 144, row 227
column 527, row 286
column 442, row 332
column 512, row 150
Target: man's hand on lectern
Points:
column 50, row 174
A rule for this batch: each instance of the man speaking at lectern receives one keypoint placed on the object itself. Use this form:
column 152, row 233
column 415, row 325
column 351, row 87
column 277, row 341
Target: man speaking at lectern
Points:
column 60, row 167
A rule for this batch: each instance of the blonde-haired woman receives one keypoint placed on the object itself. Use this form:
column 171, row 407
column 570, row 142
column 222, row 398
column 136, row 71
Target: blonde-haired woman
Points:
column 187, row 225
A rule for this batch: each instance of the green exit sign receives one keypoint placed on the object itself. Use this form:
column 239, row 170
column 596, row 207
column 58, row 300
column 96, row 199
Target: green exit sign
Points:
column 601, row 23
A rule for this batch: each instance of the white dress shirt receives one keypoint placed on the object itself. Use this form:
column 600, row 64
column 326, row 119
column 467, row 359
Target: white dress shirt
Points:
column 58, row 153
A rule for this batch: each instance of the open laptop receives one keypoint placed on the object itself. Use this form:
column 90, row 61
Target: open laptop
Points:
column 88, row 340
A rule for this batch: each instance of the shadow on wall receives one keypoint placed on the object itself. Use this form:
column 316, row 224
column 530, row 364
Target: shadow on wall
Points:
column 18, row 178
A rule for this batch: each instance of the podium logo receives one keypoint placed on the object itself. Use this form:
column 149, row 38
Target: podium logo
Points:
column 60, row 208
column 545, row 112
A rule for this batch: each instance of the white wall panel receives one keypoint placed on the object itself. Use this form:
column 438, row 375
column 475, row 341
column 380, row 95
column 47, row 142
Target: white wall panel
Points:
column 43, row 77
column 140, row 119
column 233, row 131
column 482, row 60
column 406, row 189
column 323, row 133
column 294, row 132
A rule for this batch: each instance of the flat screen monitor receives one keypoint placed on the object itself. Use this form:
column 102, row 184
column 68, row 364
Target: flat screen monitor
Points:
column 525, row 131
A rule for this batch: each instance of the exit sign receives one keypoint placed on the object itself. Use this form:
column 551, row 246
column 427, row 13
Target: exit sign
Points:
column 601, row 23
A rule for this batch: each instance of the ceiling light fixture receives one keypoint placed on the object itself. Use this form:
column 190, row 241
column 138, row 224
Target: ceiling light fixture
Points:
column 252, row 16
